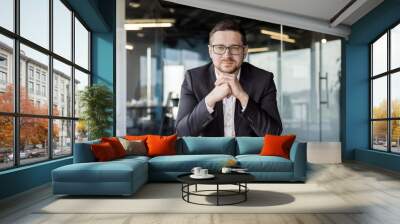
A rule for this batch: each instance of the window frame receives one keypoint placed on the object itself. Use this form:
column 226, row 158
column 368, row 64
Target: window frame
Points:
column 388, row 74
column 16, row 114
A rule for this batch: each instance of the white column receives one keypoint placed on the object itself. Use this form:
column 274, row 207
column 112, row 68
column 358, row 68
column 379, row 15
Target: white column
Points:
column 120, row 69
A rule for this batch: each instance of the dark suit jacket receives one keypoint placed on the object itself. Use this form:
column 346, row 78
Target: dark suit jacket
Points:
column 260, row 117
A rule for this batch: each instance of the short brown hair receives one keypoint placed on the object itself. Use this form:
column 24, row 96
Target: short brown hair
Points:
column 228, row 25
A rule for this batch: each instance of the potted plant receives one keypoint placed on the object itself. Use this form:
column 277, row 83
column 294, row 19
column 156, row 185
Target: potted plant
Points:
column 96, row 102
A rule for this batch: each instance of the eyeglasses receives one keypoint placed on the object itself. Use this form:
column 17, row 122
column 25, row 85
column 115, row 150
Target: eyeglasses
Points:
column 221, row 49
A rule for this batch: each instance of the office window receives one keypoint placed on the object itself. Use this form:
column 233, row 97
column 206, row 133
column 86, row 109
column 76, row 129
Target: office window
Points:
column 45, row 131
column 7, row 14
column 81, row 81
column 395, row 47
column 6, row 73
column 33, row 139
column 62, row 137
column 62, row 73
column 35, row 21
column 81, row 45
column 6, row 142
column 385, row 93
column 62, row 29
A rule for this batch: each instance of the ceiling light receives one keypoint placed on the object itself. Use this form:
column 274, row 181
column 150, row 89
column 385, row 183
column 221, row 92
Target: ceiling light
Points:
column 289, row 40
column 272, row 33
column 323, row 41
column 130, row 27
column 129, row 47
column 278, row 36
column 257, row 49
column 138, row 24
column 134, row 4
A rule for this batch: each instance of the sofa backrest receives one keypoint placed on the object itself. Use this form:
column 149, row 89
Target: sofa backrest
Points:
column 206, row 145
column 249, row 145
column 83, row 152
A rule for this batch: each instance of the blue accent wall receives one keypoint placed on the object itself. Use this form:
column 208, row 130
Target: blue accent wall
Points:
column 24, row 178
column 99, row 16
column 356, row 129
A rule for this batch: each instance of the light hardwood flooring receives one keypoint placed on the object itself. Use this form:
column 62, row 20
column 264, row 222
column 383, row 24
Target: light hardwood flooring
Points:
column 377, row 188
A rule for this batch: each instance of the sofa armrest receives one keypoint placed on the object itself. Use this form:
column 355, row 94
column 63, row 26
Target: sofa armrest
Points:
column 83, row 152
column 298, row 155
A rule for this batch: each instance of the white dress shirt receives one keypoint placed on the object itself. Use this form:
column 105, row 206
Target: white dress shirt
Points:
column 229, row 111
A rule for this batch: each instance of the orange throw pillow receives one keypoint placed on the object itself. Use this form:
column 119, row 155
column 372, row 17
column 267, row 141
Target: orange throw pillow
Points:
column 103, row 151
column 161, row 145
column 136, row 137
column 275, row 145
column 116, row 145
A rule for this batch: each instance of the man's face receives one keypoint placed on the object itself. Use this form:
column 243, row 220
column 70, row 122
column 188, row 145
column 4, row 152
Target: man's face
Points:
column 231, row 60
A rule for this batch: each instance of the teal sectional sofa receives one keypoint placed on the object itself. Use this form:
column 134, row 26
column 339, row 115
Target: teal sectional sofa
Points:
column 125, row 176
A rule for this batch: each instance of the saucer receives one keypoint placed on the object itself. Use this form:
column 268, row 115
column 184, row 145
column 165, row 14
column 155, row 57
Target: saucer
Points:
column 208, row 176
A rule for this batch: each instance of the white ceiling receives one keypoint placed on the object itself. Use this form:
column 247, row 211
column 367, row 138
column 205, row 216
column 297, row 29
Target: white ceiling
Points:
column 319, row 9
column 315, row 15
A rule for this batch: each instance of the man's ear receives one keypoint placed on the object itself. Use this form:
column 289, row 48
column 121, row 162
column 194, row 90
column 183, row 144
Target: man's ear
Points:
column 210, row 51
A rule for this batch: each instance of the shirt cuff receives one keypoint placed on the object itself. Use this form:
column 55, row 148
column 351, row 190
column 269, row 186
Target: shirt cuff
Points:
column 210, row 109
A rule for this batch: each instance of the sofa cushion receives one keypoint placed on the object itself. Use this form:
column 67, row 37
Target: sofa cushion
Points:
column 275, row 145
column 206, row 145
column 116, row 145
column 103, row 152
column 111, row 171
column 134, row 147
column 185, row 163
column 249, row 145
column 136, row 137
column 257, row 163
column 161, row 145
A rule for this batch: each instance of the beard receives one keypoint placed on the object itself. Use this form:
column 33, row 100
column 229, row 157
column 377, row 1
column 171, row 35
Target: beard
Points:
column 228, row 66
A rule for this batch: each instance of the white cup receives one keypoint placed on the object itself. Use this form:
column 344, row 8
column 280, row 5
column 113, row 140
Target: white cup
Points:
column 203, row 172
column 196, row 170
column 226, row 170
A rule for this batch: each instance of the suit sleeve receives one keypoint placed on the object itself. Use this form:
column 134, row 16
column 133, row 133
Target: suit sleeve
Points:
column 264, row 117
column 193, row 115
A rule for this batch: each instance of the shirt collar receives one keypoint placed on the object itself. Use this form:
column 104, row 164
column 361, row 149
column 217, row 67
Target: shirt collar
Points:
column 217, row 74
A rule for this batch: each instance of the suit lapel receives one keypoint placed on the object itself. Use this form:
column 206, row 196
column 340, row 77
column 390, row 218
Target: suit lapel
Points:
column 218, row 106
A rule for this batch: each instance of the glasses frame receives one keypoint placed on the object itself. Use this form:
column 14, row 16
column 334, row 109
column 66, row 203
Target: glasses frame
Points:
column 229, row 48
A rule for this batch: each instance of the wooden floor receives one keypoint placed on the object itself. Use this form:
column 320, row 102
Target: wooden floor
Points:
column 377, row 188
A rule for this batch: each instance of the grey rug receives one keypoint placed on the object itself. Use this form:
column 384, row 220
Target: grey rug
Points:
column 166, row 198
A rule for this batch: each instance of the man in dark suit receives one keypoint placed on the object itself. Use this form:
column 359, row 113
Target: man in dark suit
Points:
column 228, row 97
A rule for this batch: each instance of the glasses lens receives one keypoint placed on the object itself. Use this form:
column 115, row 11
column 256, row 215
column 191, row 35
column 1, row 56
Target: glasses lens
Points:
column 219, row 49
column 235, row 49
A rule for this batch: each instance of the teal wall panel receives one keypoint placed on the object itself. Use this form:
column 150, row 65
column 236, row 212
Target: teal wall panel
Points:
column 356, row 101
column 24, row 178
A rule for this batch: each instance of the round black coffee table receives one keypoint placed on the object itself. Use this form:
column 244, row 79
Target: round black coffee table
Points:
column 238, row 179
